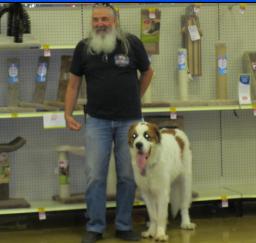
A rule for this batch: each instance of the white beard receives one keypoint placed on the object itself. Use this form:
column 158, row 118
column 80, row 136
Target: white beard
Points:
column 105, row 44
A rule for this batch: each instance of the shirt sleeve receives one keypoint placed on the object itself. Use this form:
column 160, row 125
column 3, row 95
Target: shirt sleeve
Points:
column 76, row 67
column 142, row 58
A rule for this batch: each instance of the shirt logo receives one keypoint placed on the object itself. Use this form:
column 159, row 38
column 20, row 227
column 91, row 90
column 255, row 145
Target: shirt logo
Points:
column 122, row 60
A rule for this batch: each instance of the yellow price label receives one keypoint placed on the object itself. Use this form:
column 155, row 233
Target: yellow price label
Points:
column 46, row 46
column 41, row 210
column 14, row 115
column 173, row 109
column 254, row 106
column 243, row 6
column 198, row 4
column 152, row 10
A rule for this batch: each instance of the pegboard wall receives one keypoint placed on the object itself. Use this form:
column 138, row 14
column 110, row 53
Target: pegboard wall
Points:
column 223, row 144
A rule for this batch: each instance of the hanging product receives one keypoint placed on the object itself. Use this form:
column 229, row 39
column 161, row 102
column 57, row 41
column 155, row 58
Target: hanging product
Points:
column 221, row 71
column 183, row 74
column 64, row 77
column 249, row 66
column 244, row 89
column 41, row 80
column 13, row 82
column 191, row 40
column 5, row 200
column 18, row 21
column 150, row 29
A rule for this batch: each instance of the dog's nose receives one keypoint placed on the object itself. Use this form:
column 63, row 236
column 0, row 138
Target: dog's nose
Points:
column 139, row 145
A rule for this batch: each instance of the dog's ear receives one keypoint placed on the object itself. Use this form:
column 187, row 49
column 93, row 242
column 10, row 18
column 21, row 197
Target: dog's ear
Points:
column 130, row 134
column 156, row 132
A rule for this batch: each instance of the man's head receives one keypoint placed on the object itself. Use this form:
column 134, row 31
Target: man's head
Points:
column 103, row 20
column 104, row 34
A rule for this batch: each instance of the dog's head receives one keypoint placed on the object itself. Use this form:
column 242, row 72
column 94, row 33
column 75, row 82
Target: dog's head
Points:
column 142, row 137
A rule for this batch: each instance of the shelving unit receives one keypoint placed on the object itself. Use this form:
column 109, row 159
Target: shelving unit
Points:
column 223, row 144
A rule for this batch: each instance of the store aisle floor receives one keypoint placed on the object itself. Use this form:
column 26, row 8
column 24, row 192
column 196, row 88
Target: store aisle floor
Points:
column 213, row 230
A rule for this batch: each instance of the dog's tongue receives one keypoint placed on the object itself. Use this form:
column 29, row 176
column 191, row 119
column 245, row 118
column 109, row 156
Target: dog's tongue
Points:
column 141, row 162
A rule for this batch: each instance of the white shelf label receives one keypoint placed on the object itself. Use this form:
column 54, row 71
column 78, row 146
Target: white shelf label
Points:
column 54, row 120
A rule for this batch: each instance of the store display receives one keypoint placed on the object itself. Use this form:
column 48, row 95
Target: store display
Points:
column 38, row 100
column 65, row 195
column 41, row 80
column 249, row 66
column 244, row 89
column 221, row 70
column 64, row 77
column 62, row 86
column 150, row 29
column 191, row 40
column 183, row 74
column 13, row 82
column 5, row 200
column 18, row 21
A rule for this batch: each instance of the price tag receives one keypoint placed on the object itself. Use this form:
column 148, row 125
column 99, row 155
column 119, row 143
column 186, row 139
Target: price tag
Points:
column 254, row 109
column 194, row 33
column 243, row 7
column 54, row 120
column 47, row 51
column 224, row 202
column 14, row 115
column 152, row 13
column 41, row 214
column 173, row 113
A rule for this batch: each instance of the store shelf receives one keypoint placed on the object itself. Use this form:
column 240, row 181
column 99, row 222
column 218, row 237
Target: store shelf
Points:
column 33, row 114
column 148, row 109
column 206, row 193
column 53, row 206
column 214, row 192
column 248, row 191
column 29, row 42
column 60, row 47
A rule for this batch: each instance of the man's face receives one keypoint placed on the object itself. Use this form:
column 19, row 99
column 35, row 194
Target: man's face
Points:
column 103, row 20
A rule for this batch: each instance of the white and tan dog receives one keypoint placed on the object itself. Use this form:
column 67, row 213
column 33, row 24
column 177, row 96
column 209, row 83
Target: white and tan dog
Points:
column 162, row 164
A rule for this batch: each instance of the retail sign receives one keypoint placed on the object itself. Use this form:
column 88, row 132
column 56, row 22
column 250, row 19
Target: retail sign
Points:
column 54, row 120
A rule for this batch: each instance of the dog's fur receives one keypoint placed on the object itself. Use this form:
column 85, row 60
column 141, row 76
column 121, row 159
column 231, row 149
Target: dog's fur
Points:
column 162, row 164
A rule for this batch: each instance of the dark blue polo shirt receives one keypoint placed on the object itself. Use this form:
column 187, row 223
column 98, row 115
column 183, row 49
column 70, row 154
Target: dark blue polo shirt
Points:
column 113, row 89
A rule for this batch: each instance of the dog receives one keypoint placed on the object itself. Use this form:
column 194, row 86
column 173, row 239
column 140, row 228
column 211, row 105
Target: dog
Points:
column 162, row 165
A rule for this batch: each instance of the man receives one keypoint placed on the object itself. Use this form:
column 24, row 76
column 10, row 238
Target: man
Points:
column 109, row 59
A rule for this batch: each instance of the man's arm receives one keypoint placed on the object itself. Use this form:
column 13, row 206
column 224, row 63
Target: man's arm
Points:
column 70, row 102
column 145, row 79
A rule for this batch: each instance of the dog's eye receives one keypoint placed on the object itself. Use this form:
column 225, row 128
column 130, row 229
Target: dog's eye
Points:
column 134, row 135
column 146, row 135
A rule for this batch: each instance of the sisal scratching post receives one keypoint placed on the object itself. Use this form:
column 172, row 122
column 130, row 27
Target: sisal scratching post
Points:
column 64, row 175
column 41, row 80
column 183, row 74
column 5, row 171
column 64, row 77
column 221, row 70
column 13, row 82
column 191, row 40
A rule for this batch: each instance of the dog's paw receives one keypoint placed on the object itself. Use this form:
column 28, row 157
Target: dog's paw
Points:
column 161, row 237
column 147, row 234
column 188, row 226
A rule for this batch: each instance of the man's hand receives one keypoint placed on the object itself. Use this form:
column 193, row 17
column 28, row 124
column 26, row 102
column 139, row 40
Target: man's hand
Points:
column 72, row 124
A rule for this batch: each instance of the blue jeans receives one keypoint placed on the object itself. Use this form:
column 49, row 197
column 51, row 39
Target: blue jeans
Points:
column 99, row 135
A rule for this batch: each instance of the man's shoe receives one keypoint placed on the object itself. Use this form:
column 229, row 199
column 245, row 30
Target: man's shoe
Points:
column 91, row 237
column 127, row 235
